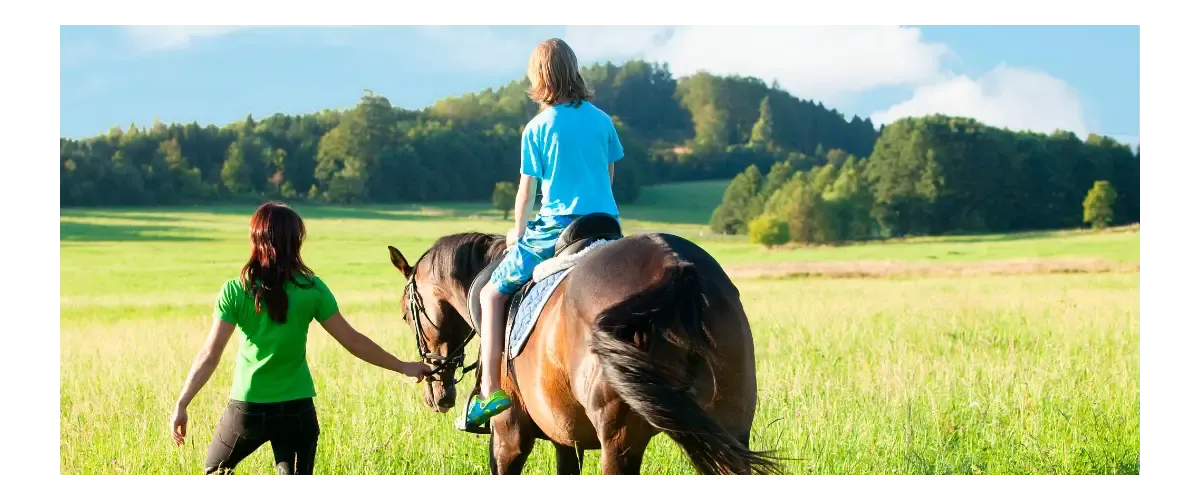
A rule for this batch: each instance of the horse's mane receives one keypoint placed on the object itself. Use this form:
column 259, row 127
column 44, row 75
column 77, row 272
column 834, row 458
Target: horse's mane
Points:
column 461, row 256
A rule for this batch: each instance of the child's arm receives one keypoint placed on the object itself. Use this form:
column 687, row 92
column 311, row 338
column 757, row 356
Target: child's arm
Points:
column 531, row 169
column 615, row 151
column 524, row 203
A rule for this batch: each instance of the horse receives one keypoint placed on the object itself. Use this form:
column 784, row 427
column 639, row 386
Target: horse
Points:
column 645, row 335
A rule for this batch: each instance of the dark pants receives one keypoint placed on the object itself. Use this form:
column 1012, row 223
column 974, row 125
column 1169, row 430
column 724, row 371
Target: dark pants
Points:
column 290, row 426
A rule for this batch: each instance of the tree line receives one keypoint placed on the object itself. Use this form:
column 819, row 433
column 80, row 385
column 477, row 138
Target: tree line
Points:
column 938, row 175
column 699, row 127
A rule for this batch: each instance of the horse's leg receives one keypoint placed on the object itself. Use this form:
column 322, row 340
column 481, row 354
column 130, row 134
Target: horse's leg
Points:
column 569, row 463
column 622, row 456
column 512, row 441
column 623, row 435
column 492, row 467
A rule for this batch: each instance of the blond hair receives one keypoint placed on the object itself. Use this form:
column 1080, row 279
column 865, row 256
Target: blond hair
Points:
column 554, row 75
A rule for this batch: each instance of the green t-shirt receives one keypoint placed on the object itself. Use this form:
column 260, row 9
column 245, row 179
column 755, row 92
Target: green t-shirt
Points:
column 272, row 365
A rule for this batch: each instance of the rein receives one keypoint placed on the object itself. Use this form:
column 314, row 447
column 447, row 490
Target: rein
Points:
column 441, row 364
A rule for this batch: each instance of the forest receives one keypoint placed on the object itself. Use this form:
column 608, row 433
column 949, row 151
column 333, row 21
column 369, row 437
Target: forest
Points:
column 937, row 175
column 796, row 166
column 698, row 127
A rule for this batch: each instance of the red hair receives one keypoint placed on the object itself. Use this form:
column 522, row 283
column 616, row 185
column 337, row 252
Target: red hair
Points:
column 276, row 233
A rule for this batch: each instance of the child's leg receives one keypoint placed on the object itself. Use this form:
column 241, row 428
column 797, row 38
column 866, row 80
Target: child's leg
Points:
column 513, row 272
column 491, row 302
column 507, row 279
column 491, row 401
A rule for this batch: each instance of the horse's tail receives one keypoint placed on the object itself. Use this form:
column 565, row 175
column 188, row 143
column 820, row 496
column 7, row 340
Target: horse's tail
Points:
column 657, row 388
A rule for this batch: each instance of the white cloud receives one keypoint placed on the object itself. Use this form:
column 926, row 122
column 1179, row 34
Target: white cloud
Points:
column 826, row 63
column 832, row 63
column 153, row 37
column 1016, row 98
column 160, row 38
column 821, row 62
column 473, row 48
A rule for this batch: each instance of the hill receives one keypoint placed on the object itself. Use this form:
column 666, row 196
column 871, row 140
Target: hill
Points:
column 699, row 127
column 830, row 179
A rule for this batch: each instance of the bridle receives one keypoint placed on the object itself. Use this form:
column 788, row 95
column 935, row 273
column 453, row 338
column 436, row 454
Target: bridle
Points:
column 441, row 364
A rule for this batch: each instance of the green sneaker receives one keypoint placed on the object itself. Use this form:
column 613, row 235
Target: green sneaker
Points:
column 480, row 412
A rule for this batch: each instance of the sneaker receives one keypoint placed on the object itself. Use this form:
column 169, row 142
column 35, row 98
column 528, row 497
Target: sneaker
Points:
column 461, row 424
column 480, row 411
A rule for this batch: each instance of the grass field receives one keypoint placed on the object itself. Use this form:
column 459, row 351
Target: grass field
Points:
column 1027, row 373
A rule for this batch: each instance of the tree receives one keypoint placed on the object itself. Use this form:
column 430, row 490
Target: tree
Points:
column 851, row 202
column 928, row 175
column 740, row 204
column 837, row 157
column 776, row 178
column 504, row 196
column 1098, row 206
column 768, row 230
column 809, row 217
column 763, row 133
column 277, row 161
column 348, row 185
column 235, row 174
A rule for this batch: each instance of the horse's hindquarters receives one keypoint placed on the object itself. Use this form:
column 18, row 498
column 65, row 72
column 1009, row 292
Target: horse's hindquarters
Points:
column 735, row 398
column 553, row 375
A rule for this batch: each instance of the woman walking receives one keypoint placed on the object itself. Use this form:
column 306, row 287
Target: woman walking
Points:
column 271, row 306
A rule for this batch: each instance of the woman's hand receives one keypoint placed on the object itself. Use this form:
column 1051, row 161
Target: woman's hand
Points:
column 178, row 422
column 416, row 369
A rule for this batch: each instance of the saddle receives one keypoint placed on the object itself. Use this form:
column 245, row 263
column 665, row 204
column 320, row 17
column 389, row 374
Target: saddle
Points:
column 578, row 235
column 524, row 307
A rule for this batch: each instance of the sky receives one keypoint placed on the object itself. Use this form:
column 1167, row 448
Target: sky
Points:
column 1084, row 79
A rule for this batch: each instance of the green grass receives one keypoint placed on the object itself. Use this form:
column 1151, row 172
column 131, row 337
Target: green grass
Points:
column 690, row 203
column 993, row 375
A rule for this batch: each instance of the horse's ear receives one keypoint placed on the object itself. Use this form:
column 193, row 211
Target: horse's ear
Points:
column 400, row 262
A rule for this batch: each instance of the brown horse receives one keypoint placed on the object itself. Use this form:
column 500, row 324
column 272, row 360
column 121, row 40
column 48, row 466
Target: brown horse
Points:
column 646, row 335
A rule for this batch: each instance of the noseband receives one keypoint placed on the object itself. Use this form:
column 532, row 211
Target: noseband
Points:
column 441, row 364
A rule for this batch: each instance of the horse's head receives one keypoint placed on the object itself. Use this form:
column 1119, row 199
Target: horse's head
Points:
column 439, row 330
column 434, row 300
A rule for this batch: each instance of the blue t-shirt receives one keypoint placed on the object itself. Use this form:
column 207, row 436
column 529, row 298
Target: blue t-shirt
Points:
column 569, row 150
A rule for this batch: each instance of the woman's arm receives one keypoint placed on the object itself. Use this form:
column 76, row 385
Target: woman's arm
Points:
column 367, row 350
column 206, row 361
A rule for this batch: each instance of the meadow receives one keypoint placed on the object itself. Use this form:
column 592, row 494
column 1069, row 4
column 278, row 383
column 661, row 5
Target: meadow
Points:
column 998, row 367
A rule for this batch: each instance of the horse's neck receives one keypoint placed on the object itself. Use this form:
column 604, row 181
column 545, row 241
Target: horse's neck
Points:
column 459, row 302
column 462, row 291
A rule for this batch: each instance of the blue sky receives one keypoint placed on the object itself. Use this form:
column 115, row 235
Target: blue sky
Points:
column 1079, row 78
